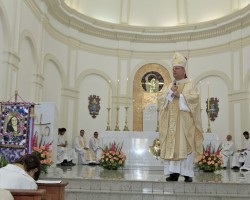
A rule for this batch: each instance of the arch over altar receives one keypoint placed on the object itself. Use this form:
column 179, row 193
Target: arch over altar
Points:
column 143, row 95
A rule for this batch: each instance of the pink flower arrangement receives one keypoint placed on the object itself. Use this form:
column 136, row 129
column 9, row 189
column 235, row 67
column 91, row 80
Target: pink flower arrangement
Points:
column 45, row 155
column 211, row 160
column 112, row 157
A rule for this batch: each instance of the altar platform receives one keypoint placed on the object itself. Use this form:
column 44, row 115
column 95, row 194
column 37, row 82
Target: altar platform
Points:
column 148, row 183
column 135, row 146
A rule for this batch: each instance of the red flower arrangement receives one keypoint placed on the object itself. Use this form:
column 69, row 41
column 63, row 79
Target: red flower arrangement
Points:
column 112, row 157
column 211, row 160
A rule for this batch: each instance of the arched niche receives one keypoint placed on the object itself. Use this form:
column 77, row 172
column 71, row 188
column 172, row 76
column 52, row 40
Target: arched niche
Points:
column 142, row 98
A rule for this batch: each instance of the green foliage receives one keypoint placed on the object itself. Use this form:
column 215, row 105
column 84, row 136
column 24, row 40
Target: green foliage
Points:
column 3, row 161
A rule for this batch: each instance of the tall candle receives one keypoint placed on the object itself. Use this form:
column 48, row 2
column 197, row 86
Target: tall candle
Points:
column 117, row 95
column 200, row 94
column 208, row 98
column 109, row 96
column 127, row 93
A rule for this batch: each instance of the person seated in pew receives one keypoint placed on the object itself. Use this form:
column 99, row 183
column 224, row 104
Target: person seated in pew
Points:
column 239, row 157
column 227, row 150
column 95, row 148
column 65, row 155
column 83, row 149
column 22, row 174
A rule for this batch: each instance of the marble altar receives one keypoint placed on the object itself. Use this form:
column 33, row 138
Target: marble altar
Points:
column 135, row 146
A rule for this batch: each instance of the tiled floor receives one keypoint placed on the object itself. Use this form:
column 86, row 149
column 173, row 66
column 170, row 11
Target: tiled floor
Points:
column 143, row 174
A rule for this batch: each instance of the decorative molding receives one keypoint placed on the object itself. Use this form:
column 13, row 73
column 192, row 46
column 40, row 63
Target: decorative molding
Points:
column 168, row 35
column 69, row 17
column 238, row 96
column 69, row 92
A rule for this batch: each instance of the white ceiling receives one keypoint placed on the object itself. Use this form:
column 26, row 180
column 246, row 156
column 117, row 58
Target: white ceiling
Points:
column 156, row 13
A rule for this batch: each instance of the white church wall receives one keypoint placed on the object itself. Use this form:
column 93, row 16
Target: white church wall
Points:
column 52, row 85
column 237, row 67
column 237, row 132
column 107, row 64
column 216, row 60
column 203, row 14
column 9, row 8
column 111, row 9
column 198, row 65
column 25, row 85
column 92, row 85
column 58, row 49
column 3, row 67
column 33, row 25
column 217, row 89
column 246, row 61
column 142, row 15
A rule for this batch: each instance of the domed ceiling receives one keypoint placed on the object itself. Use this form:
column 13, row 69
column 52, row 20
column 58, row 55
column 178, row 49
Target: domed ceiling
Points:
column 147, row 21
column 156, row 13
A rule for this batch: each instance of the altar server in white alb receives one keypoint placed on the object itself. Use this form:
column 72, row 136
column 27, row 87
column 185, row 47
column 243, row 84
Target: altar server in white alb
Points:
column 246, row 155
column 240, row 157
column 95, row 147
column 82, row 148
column 180, row 129
column 65, row 154
column 227, row 150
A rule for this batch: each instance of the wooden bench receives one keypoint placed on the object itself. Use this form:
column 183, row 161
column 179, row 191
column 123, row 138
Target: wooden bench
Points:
column 28, row 194
column 54, row 191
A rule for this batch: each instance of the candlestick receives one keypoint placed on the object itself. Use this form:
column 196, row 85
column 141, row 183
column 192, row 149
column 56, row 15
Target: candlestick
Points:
column 109, row 95
column 127, row 93
column 117, row 95
column 41, row 117
column 158, row 110
column 16, row 94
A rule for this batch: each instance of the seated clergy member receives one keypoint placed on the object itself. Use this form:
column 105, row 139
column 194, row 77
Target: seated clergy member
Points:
column 240, row 156
column 227, row 150
column 65, row 155
column 95, row 148
column 82, row 149
column 22, row 174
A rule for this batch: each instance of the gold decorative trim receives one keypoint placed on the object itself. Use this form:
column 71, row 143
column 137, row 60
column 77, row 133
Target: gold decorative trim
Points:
column 142, row 98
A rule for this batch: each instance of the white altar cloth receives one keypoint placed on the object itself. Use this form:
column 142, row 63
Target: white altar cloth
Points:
column 135, row 146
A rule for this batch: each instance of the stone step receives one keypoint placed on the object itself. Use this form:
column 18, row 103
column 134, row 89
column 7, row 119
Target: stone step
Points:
column 141, row 190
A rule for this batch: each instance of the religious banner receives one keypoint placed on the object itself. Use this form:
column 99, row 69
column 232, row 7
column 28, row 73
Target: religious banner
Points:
column 17, row 124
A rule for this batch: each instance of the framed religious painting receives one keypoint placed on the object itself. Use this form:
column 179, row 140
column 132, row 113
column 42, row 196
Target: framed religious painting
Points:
column 94, row 105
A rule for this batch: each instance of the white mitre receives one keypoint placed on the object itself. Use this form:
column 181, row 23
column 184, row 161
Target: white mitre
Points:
column 179, row 60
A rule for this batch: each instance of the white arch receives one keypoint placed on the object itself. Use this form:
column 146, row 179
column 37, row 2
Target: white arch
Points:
column 53, row 59
column 219, row 74
column 96, row 72
column 28, row 35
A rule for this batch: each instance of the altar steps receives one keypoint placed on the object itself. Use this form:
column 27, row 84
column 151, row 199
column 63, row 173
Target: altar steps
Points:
column 101, row 189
